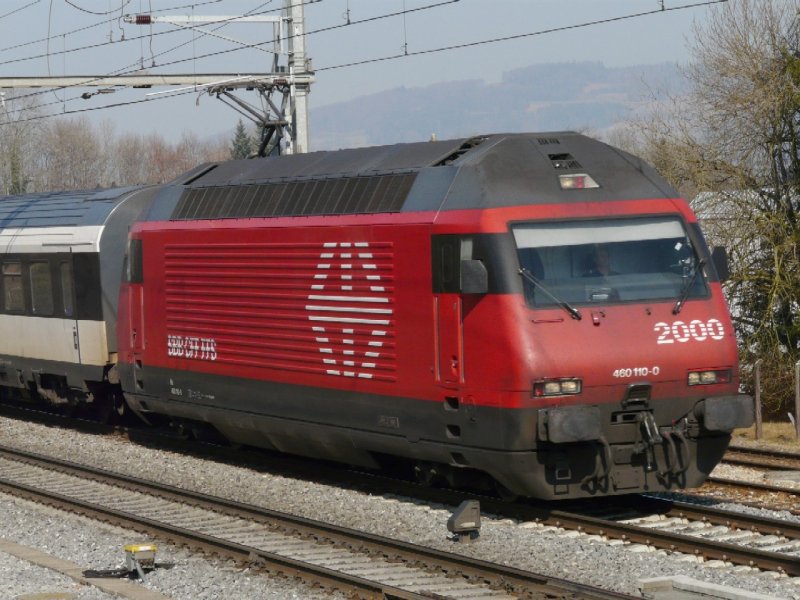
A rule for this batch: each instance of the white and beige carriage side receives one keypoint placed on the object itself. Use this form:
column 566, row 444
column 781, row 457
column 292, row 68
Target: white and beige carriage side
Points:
column 60, row 264
column 40, row 318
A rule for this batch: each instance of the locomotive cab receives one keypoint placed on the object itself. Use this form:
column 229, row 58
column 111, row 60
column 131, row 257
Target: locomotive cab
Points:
column 634, row 366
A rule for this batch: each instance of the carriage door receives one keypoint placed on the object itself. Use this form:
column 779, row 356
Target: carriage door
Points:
column 70, row 317
column 449, row 359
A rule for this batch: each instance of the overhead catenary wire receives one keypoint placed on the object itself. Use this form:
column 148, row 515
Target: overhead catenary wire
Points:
column 20, row 9
column 449, row 47
column 396, row 56
column 252, row 46
column 93, row 25
column 123, row 4
column 132, row 68
column 507, row 38
column 96, row 108
column 49, row 23
column 232, row 19
column 121, row 71
column 104, row 43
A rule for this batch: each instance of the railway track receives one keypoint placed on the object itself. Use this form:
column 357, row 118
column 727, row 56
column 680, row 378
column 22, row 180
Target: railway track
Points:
column 332, row 556
column 702, row 531
column 762, row 458
column 771, row 493
column 750, row 493
column 713, row 533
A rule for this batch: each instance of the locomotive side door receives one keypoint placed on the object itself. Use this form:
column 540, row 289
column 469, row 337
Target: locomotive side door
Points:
column 135, row 278
column 449, row 340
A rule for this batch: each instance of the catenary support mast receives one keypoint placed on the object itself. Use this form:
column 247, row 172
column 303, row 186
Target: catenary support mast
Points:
column 281, row 114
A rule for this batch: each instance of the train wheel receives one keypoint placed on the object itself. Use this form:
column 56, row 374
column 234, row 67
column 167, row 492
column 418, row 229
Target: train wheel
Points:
column 428, row 475
column 504, row 493
column 112, row 410
column 120, row 407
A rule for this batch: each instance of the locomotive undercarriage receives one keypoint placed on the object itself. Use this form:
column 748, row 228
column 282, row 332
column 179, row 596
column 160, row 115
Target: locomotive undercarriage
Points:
column 655, row 446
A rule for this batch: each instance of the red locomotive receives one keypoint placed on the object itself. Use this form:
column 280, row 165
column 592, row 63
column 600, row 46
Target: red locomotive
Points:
column 535, row 311
column 539, row 310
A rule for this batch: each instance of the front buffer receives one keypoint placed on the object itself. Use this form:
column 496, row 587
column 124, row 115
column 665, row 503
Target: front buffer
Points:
column 617, row 449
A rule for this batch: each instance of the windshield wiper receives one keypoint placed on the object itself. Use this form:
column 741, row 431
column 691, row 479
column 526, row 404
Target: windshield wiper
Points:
column 688, row 286
column 573, row 312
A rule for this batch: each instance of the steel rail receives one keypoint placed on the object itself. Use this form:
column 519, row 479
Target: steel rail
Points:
column 579, row 519
column 773, row 452
column 725, row 490
column 212, row 544
column 762, row 458
column 686, row 544
column 516, row 581
column 719, row 516
column 544, row 513
column 762, row 487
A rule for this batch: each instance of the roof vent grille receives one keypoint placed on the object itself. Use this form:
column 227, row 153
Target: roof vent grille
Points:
column 547, row 141
column 564, row 161
column 335, row 196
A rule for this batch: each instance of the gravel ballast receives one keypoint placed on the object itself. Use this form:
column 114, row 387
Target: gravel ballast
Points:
column 530, row 546
column 99, row 546
column 20, row 577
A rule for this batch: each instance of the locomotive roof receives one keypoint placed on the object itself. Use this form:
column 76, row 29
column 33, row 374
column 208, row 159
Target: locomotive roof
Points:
column 60, row 209
column 497, row 170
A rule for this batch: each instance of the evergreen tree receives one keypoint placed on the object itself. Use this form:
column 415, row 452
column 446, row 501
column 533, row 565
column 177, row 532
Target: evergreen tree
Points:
column 242, row 143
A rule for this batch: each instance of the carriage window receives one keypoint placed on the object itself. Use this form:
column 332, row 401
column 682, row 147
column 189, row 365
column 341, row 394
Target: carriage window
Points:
column 608, row 261
column 41, row 288
column 66, row 288
column 13, row 297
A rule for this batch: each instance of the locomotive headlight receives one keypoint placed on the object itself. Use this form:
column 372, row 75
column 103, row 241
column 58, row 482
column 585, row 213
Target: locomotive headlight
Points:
column 551, row 387
column 710, row 376
column 571, row 386
column 576, row 181
column 557, row 387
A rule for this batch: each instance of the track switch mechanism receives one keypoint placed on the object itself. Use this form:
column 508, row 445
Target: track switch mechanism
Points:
column 465, row 522
column 139, row 559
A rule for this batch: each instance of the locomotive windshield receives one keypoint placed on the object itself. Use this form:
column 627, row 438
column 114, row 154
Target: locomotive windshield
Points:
column 608, row 261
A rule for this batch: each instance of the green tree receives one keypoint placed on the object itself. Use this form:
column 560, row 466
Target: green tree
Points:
column 735, row 140
column 242, row 145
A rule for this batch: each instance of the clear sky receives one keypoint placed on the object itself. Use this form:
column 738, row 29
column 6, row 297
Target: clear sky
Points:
column 47, row 28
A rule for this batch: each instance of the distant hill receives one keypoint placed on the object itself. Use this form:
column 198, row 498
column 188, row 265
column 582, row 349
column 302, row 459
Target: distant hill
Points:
column 545, row 97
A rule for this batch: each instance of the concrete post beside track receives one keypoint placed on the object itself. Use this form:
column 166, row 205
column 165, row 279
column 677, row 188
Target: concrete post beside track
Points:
column 797, row 400
column 757, row 399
